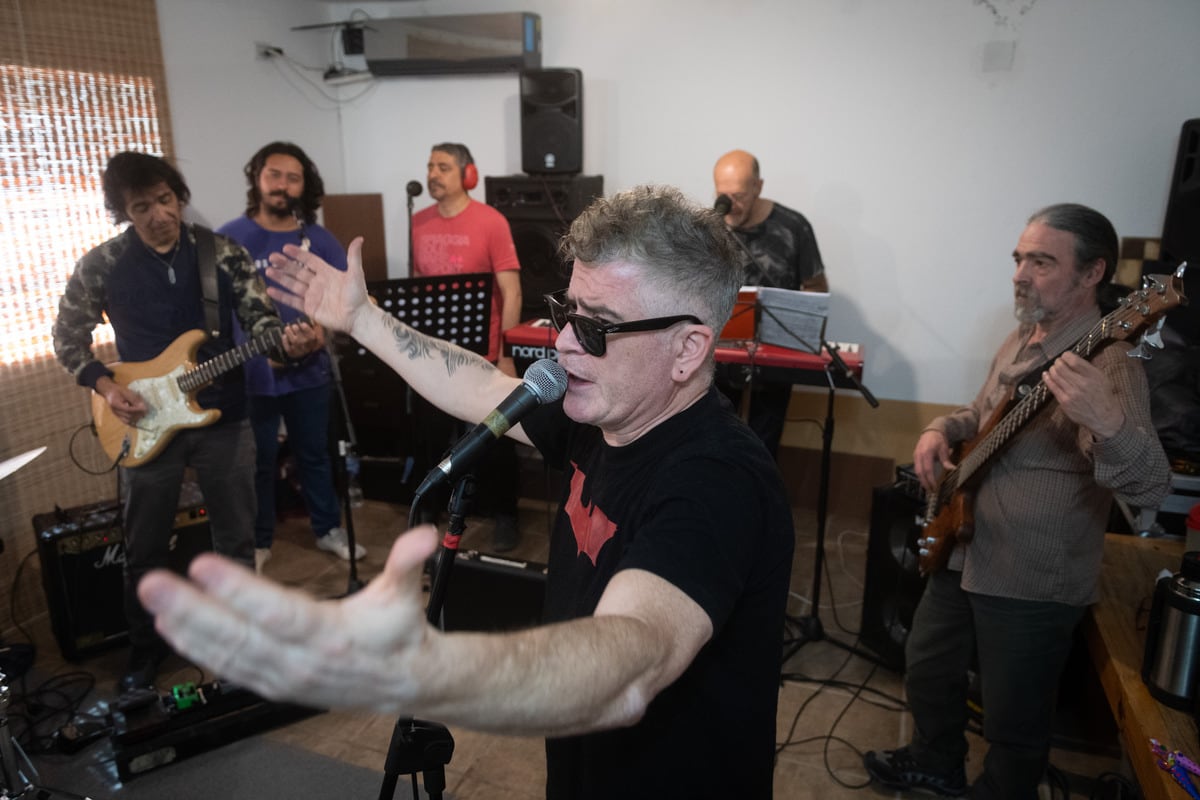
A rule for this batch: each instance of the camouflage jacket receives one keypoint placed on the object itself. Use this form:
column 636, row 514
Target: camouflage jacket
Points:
column 152, row 301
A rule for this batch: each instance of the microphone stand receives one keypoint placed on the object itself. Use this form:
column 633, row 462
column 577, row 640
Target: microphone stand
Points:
column 811, row 629
column 411, row 196
column 419, row 745
column 347, row 465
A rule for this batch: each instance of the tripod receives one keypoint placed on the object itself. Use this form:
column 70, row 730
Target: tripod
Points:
column 419, row 745
column 811, row 629
column 346, row 467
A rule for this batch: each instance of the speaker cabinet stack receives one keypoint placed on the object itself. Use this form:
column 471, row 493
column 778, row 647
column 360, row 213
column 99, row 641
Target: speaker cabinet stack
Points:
column 893, row 582
column 1181, row 229
column 539, row 209
column 552, row 121
column 82, row 552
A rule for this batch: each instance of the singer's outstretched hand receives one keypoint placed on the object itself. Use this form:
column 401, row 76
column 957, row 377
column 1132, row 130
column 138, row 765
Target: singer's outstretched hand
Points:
column 330, row 296
column 375, row 649
column 284, row 644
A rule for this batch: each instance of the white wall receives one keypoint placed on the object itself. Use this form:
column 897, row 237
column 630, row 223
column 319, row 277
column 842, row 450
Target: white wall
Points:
column 875, row 118
column 226, row 102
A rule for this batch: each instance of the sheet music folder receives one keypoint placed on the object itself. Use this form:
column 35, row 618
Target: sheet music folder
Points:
column 792, row 319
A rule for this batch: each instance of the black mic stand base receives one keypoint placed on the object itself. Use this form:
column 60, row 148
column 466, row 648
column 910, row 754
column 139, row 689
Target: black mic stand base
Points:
column 417, row 746
column 811, row 629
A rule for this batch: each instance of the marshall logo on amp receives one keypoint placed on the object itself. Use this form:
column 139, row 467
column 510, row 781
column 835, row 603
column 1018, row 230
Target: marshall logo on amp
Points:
column 82, row 552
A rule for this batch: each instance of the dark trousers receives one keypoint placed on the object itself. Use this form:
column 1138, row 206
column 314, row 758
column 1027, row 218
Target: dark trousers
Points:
column 223, row 457
column 497, row 474
column 1022, row 646
column 306, row 415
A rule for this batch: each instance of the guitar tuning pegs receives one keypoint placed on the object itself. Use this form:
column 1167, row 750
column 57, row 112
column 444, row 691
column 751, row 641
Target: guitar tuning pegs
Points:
column 922, row 552
column 1152, row 338
column 1152, row 284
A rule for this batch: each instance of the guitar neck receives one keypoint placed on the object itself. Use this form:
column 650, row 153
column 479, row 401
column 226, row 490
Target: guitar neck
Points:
column 1029, row 405
column 210, row 370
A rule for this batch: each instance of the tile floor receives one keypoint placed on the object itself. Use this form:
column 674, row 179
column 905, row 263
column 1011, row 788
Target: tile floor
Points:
column 838, row 705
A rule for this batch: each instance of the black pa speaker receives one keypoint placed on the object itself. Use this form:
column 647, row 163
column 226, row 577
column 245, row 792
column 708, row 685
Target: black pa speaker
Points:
column 539, row 209
column 552, row 121
column 893, row 582
column 1181, row 228
column 82, row 552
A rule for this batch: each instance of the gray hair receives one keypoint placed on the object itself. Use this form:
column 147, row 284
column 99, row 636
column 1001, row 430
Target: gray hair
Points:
column 1095, row 236
column 687, row 252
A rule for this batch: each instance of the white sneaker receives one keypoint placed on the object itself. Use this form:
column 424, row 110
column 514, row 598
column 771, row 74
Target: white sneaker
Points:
column 261, row 556
column 335, row 542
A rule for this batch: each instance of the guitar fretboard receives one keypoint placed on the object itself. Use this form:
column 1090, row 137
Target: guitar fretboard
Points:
column 210, row 370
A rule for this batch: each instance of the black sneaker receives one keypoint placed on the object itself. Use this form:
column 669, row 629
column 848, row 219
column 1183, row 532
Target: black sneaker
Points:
column 143, row 668
column 899, row 769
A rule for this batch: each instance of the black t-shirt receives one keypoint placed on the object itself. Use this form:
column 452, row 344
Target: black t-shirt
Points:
column 699, row 502
column 784, row 249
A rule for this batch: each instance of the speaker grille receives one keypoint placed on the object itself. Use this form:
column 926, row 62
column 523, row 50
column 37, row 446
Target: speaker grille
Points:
column 552, row 121
column 893, row 584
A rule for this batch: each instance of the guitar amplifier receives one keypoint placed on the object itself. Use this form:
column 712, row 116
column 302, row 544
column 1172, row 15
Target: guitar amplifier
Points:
column 493, row 593
column 82, row 552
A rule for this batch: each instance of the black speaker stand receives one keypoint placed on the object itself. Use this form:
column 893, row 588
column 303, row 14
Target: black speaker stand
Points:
column 810, row 627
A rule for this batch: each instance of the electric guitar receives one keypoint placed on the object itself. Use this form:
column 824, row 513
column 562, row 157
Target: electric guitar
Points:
column 949, row 515
column 168, row 383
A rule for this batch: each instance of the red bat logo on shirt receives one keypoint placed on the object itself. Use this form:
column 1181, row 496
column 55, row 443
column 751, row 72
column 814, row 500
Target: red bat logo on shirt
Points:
column 591, row 526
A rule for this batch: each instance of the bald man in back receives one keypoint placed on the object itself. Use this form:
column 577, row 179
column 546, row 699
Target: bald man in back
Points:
column 779, row 250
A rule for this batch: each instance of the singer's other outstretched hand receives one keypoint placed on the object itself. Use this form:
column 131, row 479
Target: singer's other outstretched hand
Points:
column 285, row 645
column 330, row 296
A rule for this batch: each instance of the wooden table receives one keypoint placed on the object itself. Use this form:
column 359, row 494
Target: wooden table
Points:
column 1116, row 633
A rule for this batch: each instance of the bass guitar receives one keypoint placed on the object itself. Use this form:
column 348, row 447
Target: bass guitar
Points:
column 168, row 383
column 948, row 514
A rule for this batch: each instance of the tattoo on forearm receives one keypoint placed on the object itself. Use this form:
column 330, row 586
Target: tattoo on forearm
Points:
column 417, row 346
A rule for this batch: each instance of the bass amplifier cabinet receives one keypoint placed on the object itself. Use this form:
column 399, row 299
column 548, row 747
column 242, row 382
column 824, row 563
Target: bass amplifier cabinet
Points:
column 493, row 593
column 82, row 553
column 893, row 585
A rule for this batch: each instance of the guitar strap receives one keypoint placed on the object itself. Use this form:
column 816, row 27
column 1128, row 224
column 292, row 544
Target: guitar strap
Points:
column 206, row 257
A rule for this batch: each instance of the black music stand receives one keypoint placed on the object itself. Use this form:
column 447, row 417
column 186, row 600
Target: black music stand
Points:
column 810, row 627
column 456, row 308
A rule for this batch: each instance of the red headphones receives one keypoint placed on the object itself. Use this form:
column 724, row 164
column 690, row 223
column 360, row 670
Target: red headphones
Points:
column 470, row 177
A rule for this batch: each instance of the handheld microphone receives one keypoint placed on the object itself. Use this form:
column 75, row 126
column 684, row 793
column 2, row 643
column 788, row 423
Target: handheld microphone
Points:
column 545, row 382
column 414, row 188
column 722, row 204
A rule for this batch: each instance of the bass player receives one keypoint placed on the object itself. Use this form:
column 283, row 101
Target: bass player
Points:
column 1018, row 587
column 148, row 282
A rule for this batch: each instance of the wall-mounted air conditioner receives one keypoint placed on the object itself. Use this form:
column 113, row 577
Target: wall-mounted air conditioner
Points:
column 463, row 43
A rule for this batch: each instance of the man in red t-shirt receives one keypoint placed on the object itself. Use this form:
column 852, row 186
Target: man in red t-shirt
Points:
column 458, row 235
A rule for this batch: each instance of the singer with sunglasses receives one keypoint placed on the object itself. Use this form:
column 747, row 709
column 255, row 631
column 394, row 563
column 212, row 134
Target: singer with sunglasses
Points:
column 656, row 671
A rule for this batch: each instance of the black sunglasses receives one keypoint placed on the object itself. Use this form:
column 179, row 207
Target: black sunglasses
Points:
column 591, row 332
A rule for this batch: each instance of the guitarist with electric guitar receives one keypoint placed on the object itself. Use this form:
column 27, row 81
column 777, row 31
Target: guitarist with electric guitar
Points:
column 171, row 291
column 1020, row 484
